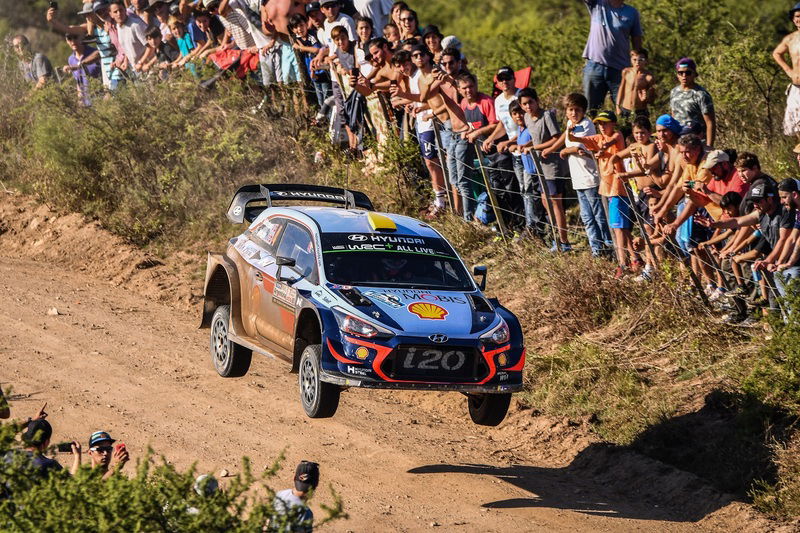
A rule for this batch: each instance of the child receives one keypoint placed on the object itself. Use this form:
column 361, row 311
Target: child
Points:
column 308, row 45
column 543, row 131
column 583, row 171
column 641, row 153
column 637, row 88
column 528, row 181
column 392, row 34
column 185, row 43
column 158, row 54
column 342, row 58
column 604, row 145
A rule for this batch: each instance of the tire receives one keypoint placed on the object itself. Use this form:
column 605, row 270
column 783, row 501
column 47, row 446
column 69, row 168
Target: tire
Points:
column 488, row 409
column 231, row 360
column 319, row 399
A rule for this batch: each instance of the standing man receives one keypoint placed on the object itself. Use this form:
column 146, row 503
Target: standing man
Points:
column 36, row 68
column 82, row 64
column 130, row 32
column 614, row 27
column 689, row 101
column 791, row 45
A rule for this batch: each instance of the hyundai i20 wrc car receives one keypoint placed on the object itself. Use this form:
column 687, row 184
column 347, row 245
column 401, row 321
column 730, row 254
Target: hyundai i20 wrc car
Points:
column 354, row 298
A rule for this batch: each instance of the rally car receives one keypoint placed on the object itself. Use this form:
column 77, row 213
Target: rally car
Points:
column 349, row 297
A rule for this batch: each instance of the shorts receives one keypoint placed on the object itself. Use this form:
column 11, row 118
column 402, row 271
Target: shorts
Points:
column 555, row 187
column 620, row 215
column 427, row 145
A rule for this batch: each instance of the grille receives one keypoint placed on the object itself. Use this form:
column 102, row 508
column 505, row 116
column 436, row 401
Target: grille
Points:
column 435, row 363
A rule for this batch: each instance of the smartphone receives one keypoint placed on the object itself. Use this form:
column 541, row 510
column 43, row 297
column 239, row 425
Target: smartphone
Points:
column 64, row 447
column 354, row 72
column 690, row 184
column 119, row 446
column 53, row 5
column 393, row 83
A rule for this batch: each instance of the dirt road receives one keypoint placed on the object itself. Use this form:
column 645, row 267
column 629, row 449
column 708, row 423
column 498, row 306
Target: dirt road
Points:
column 115, row 359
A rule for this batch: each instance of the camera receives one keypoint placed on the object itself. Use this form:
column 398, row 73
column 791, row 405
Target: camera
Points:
column 64, row 447
column 53, row 5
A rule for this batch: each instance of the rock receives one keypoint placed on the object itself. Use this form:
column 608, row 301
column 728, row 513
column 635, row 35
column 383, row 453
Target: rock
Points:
column 435, row 524
column 53, row 312
column 224, row 473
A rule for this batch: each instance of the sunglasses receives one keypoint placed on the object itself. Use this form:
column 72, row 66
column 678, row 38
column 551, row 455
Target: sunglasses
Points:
column 407, row 19
column 101, row 449
column 416, row 54
column 685, row 73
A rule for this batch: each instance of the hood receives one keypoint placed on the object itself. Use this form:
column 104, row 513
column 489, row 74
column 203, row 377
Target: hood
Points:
column 421, row 312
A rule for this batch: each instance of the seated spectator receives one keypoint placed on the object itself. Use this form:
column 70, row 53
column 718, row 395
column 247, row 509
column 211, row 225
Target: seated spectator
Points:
column 290, row 504
column 637, row 89
column 84, row 64
column 36, row 440
column 35, row 67
column 690, row 101
column 106, row 458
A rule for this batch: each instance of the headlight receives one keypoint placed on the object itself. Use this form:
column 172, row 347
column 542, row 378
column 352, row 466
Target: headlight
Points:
column 499, row 335
column 358, row 326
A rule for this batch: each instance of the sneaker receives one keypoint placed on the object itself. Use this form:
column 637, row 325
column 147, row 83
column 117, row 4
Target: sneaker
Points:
column 717, row 294
column 646, row 275
column 554, row 248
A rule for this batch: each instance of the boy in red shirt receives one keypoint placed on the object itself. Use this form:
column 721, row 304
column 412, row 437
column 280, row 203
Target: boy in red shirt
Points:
column 620, row 217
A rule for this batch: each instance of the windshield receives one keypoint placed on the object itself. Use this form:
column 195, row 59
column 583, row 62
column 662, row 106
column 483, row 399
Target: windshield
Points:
column 380, row 260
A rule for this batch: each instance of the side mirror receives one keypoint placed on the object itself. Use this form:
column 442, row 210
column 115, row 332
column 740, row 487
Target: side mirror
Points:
column 480, row 270
column 282, row 262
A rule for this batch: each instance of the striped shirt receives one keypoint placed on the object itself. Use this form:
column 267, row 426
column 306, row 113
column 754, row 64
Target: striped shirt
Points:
column 106, row 49
column 239, row 28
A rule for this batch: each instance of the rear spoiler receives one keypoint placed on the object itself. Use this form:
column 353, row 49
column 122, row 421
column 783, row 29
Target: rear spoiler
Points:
column 241, row 210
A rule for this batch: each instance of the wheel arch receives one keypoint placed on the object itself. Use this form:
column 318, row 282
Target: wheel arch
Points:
column 221, row 288
column 307, row 331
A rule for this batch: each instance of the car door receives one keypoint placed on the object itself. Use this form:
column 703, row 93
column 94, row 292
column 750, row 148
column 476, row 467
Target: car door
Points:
column 276, row 321
column 259, row 271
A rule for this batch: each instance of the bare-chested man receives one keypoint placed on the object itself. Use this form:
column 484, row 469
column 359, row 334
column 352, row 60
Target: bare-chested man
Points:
column 278, row 13
column 791, row 45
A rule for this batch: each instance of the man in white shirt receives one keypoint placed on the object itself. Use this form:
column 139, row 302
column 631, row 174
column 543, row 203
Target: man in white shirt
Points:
column 130, row 31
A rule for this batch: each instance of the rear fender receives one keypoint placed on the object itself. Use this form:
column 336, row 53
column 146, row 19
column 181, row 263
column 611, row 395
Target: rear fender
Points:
column 221, row 288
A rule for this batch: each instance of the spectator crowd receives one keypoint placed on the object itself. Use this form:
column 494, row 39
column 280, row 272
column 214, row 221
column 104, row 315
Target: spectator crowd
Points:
column 649, row 184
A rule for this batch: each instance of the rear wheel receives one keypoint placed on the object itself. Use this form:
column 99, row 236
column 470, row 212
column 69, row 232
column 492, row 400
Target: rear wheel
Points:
column 231, row 360
column 488, row 409
column 319, row 399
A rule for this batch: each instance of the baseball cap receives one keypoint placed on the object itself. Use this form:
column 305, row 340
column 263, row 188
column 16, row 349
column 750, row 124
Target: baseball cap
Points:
column 328, row 2
column 686, row 63
column 605, row 116
column 669, row 122
column 306, row 476
column 761, row 191
column 155, row 3
column 795, row 8
column 714, row 158
column 100, row 4
column 431, row 29
column 505, row 73
column 691, row 126
column 37, row 432
column 312, row 6
column 100, row 436
column 87, row 9
column 210, row 4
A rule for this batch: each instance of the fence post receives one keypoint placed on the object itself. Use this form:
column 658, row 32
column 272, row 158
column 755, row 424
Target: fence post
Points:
column 537, row 162
column 490, row 192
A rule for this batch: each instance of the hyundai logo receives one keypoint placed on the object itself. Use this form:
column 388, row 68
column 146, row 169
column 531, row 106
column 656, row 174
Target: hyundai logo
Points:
column 438, row 338
column 357, row 238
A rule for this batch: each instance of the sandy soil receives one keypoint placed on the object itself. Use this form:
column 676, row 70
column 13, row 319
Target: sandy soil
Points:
column 124, row 355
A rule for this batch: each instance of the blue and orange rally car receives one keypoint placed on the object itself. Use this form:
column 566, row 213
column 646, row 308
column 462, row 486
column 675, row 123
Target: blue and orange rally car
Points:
column 354, row 298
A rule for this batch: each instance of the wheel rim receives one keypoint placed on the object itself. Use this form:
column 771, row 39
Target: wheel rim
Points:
column 221, row 345
column 308, row 382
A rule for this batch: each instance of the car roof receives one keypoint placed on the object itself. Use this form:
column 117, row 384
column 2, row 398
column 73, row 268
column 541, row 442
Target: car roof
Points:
column 338, row 220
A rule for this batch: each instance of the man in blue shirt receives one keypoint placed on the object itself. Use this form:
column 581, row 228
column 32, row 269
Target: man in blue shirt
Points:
column 614, row 26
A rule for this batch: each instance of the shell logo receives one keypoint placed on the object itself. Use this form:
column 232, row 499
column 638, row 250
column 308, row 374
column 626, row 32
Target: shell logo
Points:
column 362, row 352
column 427, row 311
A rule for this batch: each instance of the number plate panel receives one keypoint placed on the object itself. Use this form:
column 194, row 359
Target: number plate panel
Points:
column 435, row 363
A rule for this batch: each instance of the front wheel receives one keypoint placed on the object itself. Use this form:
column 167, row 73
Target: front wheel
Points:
column 320, row 399
column 488, row 409
column 231, row 360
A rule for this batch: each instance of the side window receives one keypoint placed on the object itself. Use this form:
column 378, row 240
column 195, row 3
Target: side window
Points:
column 296, row 244
column 268, row 233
